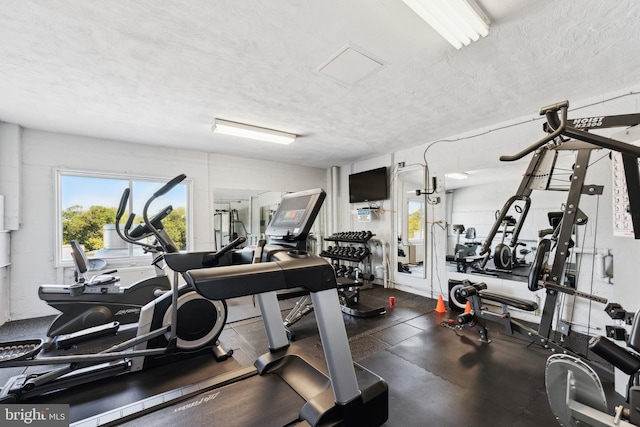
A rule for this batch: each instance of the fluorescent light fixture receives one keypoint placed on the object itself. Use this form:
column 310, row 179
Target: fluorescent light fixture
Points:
column 457, row 175
column 459, row 21
column 253, row 132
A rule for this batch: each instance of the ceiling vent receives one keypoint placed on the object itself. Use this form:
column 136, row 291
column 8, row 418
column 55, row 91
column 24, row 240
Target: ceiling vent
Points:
column 350, row 65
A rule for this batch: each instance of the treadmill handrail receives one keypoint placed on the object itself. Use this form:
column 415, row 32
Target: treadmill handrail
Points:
column 286, row 270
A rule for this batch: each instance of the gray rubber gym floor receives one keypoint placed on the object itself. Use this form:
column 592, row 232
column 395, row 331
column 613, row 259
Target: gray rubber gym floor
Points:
column 437, row 376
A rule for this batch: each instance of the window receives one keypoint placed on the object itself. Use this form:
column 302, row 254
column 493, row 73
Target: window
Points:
column 415, row 226
column 87, row 211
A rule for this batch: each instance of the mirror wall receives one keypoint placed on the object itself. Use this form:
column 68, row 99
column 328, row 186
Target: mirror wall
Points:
column 247, row 213
column 474, row 197
column 410, row 207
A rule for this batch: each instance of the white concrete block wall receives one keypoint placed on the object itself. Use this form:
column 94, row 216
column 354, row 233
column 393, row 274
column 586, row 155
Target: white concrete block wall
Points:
column 10, row 174
column 5, row 291
column 33, row 244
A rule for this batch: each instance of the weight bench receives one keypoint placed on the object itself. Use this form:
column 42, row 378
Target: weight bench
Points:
column 519, row 303
column 464, row 262
column 475, row 293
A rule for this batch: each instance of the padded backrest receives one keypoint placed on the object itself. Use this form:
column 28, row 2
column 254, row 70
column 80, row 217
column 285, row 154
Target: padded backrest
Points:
column 79, row 257
column 554, row 218
column 634, row 334
column 471, row 233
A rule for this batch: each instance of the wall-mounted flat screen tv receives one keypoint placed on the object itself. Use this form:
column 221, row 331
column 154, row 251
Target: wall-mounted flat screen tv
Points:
column 369, row 186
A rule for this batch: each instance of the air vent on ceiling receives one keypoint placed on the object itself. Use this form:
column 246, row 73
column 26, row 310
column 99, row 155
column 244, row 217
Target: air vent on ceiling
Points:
column 350, row 65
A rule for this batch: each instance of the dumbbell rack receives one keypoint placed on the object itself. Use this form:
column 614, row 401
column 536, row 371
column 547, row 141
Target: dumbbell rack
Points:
column 348, row 253
column 350, row 278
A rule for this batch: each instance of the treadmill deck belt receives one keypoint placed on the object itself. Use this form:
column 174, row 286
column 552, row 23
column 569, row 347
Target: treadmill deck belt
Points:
column 256, row 401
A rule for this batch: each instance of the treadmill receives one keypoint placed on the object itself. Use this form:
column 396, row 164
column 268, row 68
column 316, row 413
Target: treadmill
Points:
column 281, row 388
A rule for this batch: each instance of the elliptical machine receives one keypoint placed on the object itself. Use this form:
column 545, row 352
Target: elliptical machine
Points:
column 177, row 324
column 102, row 300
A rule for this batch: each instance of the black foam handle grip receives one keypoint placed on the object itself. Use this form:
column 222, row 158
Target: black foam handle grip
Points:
column 622, row 359
column 123, row 203
column 465, row 318
column 211, row 260
column 129, row 223
column 169, row 185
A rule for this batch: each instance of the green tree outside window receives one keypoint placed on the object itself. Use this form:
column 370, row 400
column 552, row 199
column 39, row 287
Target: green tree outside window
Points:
column 102, row 196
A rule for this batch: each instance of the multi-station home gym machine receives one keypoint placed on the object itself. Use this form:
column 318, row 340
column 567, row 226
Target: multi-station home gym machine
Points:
column 574, row 389
column 545, row 273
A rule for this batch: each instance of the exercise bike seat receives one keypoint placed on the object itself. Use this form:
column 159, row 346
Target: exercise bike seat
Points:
column 82, row 266
column 470, row 234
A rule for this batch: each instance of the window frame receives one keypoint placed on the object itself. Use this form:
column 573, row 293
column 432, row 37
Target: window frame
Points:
column 421, row 202
column 127, row 261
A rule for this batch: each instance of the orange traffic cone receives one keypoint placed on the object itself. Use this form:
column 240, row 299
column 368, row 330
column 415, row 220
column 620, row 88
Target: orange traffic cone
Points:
column 440, row 306
column 467, row 308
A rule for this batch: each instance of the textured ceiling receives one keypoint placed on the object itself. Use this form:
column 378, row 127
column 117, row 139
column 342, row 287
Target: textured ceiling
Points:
column 159, row 71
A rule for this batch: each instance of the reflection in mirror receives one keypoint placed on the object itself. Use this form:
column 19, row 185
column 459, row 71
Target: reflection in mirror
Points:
column 473, row 204
column 247, row 213
column 410, row 204
column 266, row 213
column 242, row 213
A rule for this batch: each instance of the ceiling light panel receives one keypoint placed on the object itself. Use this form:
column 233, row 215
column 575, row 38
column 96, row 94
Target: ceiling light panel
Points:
column 253, row 132
column 459, row 21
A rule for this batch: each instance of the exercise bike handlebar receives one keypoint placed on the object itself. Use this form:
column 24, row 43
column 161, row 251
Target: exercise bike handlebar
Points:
column 125, row 235
column 551, row 112
column 129, row 223
column 121, row 208
column 169, row 185
column 141, row 231
column 123, row 203
column 212, row 259
column 161, row 235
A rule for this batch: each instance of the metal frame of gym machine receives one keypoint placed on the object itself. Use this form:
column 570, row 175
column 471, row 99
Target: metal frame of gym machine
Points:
column 580, row 140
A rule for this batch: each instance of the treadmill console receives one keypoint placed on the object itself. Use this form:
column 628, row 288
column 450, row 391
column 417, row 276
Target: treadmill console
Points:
column 292, row 221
